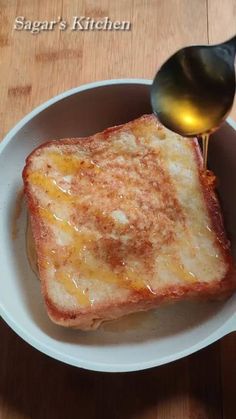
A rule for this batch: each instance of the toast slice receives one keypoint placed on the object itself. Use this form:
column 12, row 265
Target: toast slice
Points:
column 122, row 221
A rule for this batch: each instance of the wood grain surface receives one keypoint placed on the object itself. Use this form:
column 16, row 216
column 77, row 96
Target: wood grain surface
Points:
column 34, row 68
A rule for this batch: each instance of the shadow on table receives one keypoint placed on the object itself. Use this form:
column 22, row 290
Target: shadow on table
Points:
column 35, row 386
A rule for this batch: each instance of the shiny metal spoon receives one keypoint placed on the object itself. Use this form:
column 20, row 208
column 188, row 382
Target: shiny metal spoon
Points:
column 194, row 89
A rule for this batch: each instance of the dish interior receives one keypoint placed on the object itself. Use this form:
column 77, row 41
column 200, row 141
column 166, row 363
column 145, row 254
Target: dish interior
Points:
column 140, row 340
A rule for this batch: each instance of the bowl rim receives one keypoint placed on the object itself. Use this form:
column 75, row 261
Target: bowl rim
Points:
column 65, row 94
column 227, row 327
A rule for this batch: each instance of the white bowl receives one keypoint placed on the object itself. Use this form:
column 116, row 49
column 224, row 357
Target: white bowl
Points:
column 143, row 340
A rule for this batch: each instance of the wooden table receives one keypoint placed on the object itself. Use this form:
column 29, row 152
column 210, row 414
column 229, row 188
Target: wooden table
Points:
column 34, row 68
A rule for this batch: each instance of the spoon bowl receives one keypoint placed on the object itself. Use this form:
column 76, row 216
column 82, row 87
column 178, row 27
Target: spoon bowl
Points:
column 193, row 91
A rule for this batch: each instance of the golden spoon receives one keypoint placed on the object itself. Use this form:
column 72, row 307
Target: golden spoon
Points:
column 194, row 89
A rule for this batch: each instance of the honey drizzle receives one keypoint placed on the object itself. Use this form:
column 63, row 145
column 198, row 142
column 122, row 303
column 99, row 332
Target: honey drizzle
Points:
column 65, row 225
column 129, row 279
column 70, row 164
column 205, row 142
column 92, row 270
column 179, row 270
column 51, row 187
column 64, row 278
column 71, row 286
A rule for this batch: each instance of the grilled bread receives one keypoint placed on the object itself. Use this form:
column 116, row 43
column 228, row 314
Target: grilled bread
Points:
column 122, row 221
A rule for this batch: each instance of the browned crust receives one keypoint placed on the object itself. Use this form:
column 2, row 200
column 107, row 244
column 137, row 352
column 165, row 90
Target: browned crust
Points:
column 92, row 319
column 84, row 318
column 207, row 180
